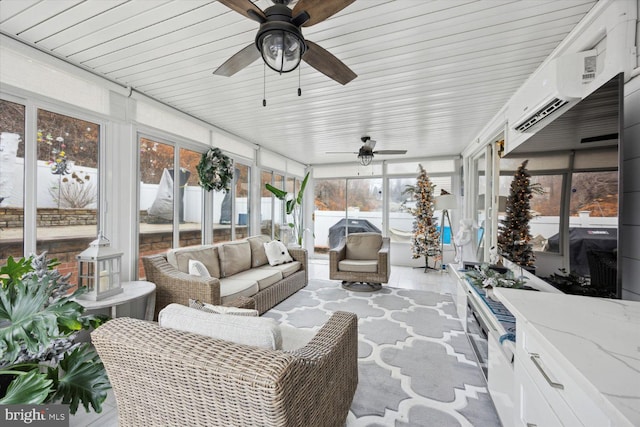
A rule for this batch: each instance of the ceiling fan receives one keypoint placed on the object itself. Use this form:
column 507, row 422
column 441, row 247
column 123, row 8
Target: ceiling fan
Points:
column 280, row 41
column 366, row 152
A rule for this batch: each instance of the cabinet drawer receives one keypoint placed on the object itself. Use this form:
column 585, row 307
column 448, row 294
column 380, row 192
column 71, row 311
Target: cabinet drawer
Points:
column 501, row 380
column 562, row 392
column 533, row 408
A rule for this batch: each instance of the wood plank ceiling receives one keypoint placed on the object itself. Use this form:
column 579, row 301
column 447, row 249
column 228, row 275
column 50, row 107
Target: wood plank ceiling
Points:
column 431, row 74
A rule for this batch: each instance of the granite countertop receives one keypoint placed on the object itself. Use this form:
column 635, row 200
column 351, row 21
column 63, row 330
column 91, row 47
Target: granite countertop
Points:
column 596, row 339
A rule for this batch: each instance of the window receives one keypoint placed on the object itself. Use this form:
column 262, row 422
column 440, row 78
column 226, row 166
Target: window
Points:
column 266, row 204
column 480, row 191
column 67, row 187
column 593, row 219
column 330, row 202
column 400, row 205
column 364, row 200
column 12, row 118
column 242, row 194
column 190, row 196
column 597, row 194
column 156, row 197
column 545, row 210
column 278, row 208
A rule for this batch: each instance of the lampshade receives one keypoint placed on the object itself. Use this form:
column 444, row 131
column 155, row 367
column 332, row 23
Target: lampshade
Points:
column 280, row 42
column 446, row 201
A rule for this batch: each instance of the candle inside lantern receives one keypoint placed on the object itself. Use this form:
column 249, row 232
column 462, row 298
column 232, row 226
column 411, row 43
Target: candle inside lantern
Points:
column 104, row 281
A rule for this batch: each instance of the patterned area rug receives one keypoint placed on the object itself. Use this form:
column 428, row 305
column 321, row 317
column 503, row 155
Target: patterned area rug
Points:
column 416, row 366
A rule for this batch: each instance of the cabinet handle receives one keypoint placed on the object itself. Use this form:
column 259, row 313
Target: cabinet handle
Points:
column 532, row 425
column 535, row 359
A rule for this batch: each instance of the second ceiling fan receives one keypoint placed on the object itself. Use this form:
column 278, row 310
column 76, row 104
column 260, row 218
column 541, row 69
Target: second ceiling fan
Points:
column 280, row 41
column 366, row 152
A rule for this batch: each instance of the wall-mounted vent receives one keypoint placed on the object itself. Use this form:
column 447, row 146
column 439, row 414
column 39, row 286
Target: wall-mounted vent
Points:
column 600, row 138
column 539, row 115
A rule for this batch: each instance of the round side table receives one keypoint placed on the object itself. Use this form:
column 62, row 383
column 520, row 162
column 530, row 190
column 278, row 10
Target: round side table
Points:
column 130, row 291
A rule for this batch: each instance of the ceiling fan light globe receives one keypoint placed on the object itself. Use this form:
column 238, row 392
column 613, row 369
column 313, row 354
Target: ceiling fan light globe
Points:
column 281, row 50
column 365, row 159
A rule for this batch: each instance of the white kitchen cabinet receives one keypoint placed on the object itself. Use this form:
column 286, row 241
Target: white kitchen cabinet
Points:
column 500, row 381
column 576, row 358
column 533, row 408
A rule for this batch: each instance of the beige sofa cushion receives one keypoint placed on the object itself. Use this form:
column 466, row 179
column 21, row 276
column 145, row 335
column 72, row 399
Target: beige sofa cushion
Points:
column 363, row 245
column 231, row 288
column 286, row 269
column 207, row 254
column 263, row 277
column 258, row 255
column 234, row 257
column 294, row 338
column 256, row 331
column 358, row 266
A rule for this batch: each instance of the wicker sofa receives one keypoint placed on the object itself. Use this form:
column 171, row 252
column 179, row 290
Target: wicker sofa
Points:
column 239, row 274
column 163, row 376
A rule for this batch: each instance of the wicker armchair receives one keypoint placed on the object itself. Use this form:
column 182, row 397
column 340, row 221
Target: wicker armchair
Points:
column 165, row 377
column 361, row 261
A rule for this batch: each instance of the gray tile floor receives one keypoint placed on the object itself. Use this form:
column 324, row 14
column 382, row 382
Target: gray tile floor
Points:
column 401, row 277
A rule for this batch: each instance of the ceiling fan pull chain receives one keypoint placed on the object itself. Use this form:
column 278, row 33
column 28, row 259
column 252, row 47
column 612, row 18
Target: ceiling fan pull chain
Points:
column 264, row 85
column 299, row 90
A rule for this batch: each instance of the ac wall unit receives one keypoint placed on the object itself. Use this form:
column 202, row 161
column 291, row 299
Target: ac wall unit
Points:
column 560, row 83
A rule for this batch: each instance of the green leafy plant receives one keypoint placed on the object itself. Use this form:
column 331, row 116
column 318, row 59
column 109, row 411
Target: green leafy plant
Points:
column 40, row 360
column 485, row 277
column 293, row 207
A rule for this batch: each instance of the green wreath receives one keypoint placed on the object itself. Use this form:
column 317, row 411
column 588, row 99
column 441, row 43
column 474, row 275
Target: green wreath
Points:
column 215, row 170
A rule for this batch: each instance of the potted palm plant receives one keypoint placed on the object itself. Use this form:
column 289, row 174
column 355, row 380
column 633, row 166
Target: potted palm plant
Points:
column 40, row 360
column 293, row 207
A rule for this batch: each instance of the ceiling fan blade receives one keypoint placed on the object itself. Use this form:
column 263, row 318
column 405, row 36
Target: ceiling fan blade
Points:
column 341, row 152
column 323, row 61
column 390, row 152
column 242, row 6
column 319, row 10
column 237, row 62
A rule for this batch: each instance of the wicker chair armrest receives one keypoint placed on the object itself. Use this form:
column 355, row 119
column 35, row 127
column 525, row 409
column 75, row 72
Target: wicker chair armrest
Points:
column 338, row 333
column 386, row 245
column 326, row 370
column 384, row 261
column 301, row 255
column 175, row 286
column 336, row 255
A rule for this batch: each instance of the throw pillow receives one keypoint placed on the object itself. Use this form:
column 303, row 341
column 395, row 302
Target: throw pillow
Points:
column 221, row 309
column 256, row 331
column 197, row 268
column 258, row 257
column 235, row 257
column 277, row 253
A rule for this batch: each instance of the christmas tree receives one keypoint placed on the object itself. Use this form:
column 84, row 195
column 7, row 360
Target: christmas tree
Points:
column 514, row 238
column 426, row 239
